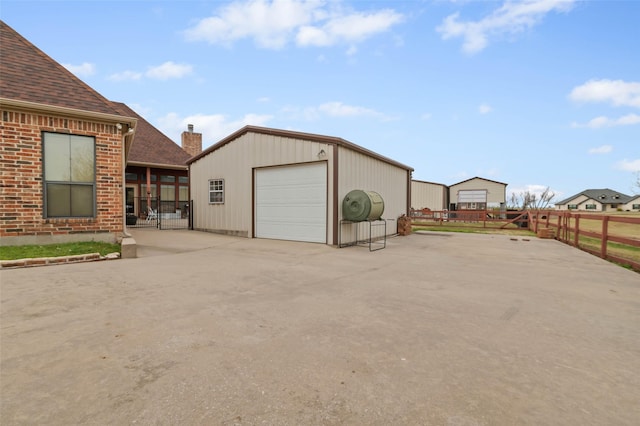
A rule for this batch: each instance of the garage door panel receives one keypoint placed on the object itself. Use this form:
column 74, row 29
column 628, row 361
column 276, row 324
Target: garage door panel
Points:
column 291, row 203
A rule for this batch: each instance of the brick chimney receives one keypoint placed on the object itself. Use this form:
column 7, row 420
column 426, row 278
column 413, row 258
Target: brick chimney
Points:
column 192, row 142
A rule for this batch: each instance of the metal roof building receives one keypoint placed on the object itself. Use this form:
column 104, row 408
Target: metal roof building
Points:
column 270, row 183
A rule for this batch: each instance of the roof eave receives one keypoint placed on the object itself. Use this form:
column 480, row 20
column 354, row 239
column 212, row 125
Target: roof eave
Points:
column 70, row 112
column 299, row 135
column 157, row 165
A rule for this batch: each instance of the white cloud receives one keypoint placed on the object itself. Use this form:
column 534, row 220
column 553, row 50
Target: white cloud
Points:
column 213, row 127
column 274, row 24
column 490, row 172
column 334, row 110
column 604, row 149
column 534, row 189
column 165, row 71
column 484, row 109
column 264, row 99
column 338, row 109
column 602, row 121
column 629, row 165
column 169, row 70
column 426, row 116
column 83, row 70
column 349, row 28
column 126, row 76
column 615, row 92
column 511, row 18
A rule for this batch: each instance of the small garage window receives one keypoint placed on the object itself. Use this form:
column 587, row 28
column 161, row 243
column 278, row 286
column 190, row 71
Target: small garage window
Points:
column 216, row 191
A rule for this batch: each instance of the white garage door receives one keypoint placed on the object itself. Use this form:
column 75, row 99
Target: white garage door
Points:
column 291, row 203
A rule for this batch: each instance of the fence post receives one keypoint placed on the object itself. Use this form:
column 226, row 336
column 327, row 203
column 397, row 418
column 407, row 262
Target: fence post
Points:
column 576, row 231
column 560, row 227
column 190, row 215
column 605, row 230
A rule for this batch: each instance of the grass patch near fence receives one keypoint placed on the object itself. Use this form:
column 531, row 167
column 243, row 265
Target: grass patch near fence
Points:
column 56, row 250
column 474, row 229
column 614, row 249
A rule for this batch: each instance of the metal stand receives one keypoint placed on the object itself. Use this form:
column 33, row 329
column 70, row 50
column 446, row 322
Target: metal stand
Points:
column 369, row 241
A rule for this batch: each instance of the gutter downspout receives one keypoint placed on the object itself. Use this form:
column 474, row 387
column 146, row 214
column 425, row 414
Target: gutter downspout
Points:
column 125, row 233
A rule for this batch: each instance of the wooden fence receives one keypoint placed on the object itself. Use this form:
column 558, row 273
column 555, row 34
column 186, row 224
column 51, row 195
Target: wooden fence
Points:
column 612, row 237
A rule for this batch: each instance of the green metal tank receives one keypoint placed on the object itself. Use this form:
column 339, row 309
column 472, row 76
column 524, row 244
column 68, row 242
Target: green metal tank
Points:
column 359, row 205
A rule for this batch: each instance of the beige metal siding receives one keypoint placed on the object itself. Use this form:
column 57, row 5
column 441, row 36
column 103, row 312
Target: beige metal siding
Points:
column 428, row 195
column 359, row 171
column 234, row 162
column 495, row 191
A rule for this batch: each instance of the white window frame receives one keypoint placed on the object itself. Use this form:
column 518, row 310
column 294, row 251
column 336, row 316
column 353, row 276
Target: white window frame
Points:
column 217, row 188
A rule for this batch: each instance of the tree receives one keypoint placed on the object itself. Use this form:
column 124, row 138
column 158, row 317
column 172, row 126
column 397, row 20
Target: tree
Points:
column 528, row 200
column 636, row 184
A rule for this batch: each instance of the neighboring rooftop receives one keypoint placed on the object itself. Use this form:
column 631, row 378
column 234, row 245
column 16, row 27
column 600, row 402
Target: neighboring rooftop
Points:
column 298, row 135
column 604, row 196
column 478, row 177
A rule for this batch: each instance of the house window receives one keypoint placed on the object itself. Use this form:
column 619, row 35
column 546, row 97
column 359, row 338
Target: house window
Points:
column 572, row 206
column 69, row 175
column 635, row 206
column 183, row 193
column 168, row 198
column 590, row 206
column 216, row 191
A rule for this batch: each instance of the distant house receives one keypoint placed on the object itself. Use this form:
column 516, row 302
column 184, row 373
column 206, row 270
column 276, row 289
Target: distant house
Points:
column 599, row 200
column 156, row 171
column 632, row 204
column 477, row 194
column 63, row 148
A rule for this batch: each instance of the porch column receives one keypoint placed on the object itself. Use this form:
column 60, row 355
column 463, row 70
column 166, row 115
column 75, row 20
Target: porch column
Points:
column 148, row 189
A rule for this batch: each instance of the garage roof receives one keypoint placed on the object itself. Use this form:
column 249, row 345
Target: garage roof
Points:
column 297, row 135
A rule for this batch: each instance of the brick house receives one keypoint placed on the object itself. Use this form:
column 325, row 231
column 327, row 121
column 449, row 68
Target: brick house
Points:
column 63, row 148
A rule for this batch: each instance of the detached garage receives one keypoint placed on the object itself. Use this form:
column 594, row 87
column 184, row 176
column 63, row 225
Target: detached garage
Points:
column 269, row 183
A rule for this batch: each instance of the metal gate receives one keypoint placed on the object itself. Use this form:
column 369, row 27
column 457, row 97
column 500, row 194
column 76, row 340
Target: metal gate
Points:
column 152, row 212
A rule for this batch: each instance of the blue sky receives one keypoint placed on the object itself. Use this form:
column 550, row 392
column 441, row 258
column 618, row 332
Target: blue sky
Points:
column 535, row 94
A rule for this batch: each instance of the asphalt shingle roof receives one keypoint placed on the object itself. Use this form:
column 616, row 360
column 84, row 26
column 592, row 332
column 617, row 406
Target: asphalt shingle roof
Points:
column 152, row 146
column 604, row 196
column 28, row 74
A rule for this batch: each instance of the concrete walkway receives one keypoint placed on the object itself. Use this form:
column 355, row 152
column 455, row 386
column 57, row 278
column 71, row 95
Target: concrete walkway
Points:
column 441, row 329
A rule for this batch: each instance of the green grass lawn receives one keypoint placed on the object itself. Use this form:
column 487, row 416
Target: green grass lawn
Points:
column 55, row 250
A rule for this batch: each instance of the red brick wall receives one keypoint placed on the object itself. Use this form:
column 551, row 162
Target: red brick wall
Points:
column 21, row 189
column 192, row 143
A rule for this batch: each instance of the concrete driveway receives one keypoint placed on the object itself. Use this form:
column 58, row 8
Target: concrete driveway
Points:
column 204, row 329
